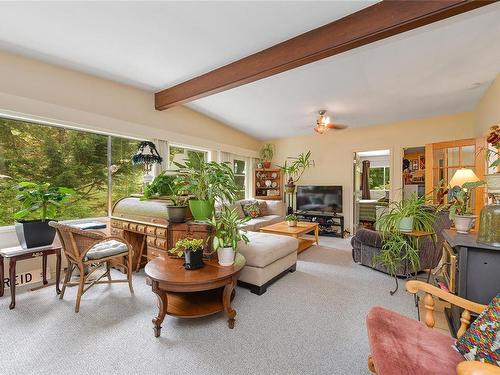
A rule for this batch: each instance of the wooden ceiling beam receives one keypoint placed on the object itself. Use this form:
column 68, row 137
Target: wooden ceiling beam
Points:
column 379, row 21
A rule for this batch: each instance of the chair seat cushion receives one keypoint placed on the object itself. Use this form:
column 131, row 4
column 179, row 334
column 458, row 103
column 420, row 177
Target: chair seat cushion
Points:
column 106, row 249
column 400, row 345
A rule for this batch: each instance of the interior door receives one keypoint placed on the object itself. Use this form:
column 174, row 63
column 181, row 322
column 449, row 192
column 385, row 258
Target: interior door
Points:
column 443, row 159
column 356, row 191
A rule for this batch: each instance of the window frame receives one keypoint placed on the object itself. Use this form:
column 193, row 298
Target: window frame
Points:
column 386, row 177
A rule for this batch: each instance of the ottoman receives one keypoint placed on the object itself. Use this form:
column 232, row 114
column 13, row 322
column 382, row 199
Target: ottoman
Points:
column 269, row 257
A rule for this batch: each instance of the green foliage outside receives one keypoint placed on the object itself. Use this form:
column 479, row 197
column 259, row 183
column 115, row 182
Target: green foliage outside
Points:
column 64, row 157
column 377, row 180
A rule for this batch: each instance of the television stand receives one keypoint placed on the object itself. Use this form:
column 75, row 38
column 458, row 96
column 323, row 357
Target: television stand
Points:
column 330, row 224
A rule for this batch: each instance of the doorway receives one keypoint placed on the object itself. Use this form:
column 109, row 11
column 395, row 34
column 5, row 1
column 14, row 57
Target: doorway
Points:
column 372, row 184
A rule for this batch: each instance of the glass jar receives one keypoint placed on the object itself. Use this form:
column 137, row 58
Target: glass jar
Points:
column 489, row 224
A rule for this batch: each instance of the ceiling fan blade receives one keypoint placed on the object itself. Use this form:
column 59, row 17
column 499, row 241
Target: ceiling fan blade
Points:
column 336, row 126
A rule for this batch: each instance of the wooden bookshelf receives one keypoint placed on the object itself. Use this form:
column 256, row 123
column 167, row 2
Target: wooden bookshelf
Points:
column 264, row 191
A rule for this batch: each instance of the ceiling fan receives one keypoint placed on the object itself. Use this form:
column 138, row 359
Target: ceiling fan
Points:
column 323, row 123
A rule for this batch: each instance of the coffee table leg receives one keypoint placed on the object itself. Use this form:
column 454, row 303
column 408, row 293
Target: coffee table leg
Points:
column 162, row 308
column 226, row 302
column 58, row 271
column 316, row 234
column 1, row 277
column 12, row 276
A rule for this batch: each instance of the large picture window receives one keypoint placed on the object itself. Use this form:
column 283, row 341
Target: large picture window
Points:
column 65, row 157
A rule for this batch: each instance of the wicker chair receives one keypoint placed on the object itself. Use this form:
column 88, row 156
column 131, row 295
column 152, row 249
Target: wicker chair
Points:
column 87, row 249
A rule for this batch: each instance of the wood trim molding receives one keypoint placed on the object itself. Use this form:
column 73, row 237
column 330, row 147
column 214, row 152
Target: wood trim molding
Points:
column 376, row 22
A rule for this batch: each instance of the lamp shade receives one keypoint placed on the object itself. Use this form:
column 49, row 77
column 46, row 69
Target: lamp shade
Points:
column 146, row 154
column 462, row 176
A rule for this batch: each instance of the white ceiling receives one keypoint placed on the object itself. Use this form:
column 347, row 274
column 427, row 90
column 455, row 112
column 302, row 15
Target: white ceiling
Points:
column 438, row 69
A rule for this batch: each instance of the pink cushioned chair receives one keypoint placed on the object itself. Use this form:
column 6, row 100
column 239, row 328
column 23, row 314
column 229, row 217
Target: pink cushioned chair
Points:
column 403, row 346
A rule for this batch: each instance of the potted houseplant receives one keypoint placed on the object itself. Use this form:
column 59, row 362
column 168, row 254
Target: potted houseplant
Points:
column 228, row 234
column 166, row 186
column 208, row 182
column 192, row 249
column 266, row 154
column 291, row 220
column 493, row 160
column 296, row 169
column 39, row 205
column 407, row 215
column 460, row 211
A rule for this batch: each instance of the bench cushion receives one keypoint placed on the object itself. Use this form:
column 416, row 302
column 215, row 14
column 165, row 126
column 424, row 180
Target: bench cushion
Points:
column 400, row 345
column 106, row 249
column 263, row 248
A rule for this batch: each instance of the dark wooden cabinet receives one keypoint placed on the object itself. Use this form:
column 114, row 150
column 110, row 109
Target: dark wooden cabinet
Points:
column 191, row 229
column 472, row 270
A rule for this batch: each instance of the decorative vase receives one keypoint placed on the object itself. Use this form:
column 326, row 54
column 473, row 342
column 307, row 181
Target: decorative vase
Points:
column 290, row 189
column 34, row 233
column 259, row 165
column 193, row 259
column 489, row 224
column 201, row 209
column 406, row 224
column 226, row 256
column 177, row 214
column 464, row 223
column 266, row 164
column 292, row 223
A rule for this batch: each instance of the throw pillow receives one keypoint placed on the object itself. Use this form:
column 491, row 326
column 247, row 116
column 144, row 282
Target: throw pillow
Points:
column 481, row 342
column 264, row 211
column 251, row 209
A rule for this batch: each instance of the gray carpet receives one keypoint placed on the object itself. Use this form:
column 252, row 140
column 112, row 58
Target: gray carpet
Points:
column 309, row 322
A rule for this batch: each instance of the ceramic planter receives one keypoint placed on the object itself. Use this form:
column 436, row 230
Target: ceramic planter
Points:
column 266, row 164
column 406, row 224
column 226, row 256
column 193, row 259
column 177, row 214
column 290, row 188
column 292, row 223
column 464, row 223
column 201, row 210
column 34, row 233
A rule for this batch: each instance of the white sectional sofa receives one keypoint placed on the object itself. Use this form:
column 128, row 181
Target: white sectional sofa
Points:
column 268, row 256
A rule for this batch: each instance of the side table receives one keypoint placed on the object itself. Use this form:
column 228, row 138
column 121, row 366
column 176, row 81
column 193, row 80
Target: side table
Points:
column 17, row 253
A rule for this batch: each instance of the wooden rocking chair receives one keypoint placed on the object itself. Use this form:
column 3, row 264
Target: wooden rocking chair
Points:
column 400, row 345
column 86, row 250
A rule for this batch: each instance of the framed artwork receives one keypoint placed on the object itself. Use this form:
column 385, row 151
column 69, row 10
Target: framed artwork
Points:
column 421, row 162
column 414, row 165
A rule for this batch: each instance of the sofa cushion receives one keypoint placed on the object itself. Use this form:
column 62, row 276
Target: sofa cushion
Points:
column 481, row 342
column 106, row 249
column 264, row 210
column 264, row 248
column 251, row 209
column 256, row 223
column 400, row 345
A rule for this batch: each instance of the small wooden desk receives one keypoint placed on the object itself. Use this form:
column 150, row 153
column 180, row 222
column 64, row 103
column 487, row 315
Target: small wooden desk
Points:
column 301, row 229
column 17, row 253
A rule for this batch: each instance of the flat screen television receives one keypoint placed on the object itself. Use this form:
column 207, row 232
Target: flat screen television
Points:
column 319, row 198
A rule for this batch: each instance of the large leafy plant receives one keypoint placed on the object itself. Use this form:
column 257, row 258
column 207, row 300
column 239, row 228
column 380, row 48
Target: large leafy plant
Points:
column 165, row 185
column 267, row 152
column 210, row 181
column 227, row 229
column 459, row 198
column 297, row 167
column 40, row 201
column 397, row 247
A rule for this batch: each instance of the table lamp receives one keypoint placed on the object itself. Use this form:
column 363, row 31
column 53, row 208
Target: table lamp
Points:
column 462, row 176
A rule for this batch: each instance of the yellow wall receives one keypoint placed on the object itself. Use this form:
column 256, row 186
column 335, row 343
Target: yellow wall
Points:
column 333, row 151
column 38, row 89
column 487, row 112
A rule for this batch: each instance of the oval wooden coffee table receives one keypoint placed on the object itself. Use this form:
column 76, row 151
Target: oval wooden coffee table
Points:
column 193, row 293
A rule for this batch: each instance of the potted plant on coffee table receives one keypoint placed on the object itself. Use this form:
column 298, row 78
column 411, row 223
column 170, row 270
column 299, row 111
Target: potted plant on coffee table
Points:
column 227, row 234
column 266, row 154
column 192, row 249
column 208, row 182
column 291, row 220
column 460, row 210
column 39, row 205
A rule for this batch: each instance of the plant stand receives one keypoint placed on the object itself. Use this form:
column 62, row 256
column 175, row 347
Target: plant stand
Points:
column 417, row 234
